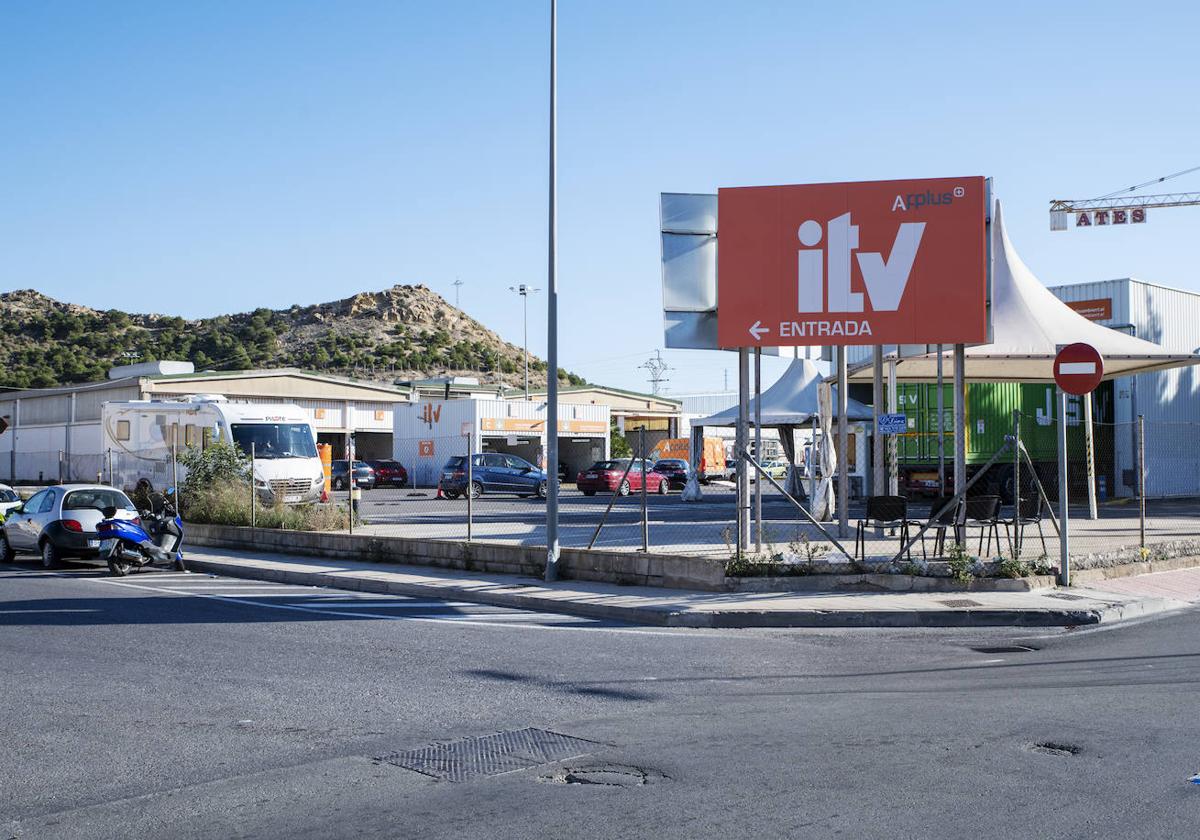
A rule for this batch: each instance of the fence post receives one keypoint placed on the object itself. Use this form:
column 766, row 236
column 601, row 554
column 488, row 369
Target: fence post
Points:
column 112, row 481
column 253, row 491
column 1090, row 453
column 645, row 518
column 470, row 482
column 1017, row 482
column 1141, row 462
column 175, row 464
column 60, row 466
column 350, row 477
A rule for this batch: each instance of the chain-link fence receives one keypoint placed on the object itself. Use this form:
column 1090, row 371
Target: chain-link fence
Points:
column 1138, row 499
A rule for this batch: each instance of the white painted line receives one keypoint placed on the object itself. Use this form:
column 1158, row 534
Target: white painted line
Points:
column 393, row 617
column 26, row 612
column 1077, row 367
column 408, row 605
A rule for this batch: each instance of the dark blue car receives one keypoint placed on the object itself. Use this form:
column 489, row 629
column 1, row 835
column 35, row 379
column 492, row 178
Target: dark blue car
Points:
column 492, row 472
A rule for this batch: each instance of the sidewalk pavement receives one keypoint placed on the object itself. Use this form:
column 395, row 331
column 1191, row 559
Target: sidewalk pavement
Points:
column 1110, row 601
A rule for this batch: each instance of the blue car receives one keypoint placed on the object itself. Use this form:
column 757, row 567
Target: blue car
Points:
column 492, row 472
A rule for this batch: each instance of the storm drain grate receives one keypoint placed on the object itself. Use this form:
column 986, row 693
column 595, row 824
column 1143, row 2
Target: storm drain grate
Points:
column 490, row 755
column 1005, row 649
column 1066, row 596
column 961, row 602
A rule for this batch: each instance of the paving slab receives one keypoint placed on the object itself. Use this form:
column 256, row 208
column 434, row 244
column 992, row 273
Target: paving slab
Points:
column 1113, row 601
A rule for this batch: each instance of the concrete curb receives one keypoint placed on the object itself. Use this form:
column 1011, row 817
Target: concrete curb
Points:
column 664, row 616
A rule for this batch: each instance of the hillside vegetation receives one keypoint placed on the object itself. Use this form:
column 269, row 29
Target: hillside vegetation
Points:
column 405, row 332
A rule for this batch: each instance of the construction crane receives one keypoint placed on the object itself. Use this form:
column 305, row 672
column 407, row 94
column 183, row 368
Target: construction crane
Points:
column 1119, row 208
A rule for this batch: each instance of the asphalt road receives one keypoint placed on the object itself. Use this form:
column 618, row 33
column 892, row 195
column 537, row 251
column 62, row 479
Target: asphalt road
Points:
column 187, row 706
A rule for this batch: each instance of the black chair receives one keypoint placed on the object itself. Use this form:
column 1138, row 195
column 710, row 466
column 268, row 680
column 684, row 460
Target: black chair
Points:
column 1029, row 511
column 882, row 512
column 939, row 524
column 983, row 512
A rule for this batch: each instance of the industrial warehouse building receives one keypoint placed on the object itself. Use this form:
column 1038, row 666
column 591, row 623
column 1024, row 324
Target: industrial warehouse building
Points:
column 430, row 432
column 1169, row 400
column 54, row 433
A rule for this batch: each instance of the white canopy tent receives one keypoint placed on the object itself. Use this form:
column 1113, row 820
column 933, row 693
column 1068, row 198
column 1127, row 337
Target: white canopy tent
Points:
column 791, row 401
column 1029, row 324
column 794, row 400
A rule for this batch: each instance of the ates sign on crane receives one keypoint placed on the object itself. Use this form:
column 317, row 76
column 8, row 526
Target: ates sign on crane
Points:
column 1078, row 369
column 871, row 262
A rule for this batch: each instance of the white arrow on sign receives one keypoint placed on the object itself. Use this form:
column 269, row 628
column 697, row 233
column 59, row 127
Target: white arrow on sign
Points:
column 758, row 330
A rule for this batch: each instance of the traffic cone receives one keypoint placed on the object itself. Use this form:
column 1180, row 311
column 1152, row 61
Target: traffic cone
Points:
column 440, row 494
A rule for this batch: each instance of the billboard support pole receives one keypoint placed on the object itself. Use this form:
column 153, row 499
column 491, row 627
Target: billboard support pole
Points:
column 941, row 429
column 960, row 423
column 758, row 523
column 843, row 433
column 743, row 477
column 552, row 317
column 878, row 472
column 1090, row 447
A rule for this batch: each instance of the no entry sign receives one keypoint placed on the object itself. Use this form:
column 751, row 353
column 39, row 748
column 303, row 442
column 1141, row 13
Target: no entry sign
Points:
column 1078, row 369
column 871, row 262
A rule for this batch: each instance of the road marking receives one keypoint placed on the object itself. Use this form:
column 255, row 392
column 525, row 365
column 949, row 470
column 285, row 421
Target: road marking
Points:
column 314, row 611
column 27, row 612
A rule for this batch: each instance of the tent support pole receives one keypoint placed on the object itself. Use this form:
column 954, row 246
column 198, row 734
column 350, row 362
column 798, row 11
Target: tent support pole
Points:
column 892, row 441
column 941, row 430
column 878, row 476
column 843, row 434
column 1090, row 445
column 960, row 423
column 758, row 523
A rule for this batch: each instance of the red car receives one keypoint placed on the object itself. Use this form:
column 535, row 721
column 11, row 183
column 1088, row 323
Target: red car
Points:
column 389, row 473
column 605, row 477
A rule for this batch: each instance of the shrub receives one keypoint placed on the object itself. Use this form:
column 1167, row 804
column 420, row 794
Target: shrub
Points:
column 960, row 563
column 219, row 462
column 226, row 501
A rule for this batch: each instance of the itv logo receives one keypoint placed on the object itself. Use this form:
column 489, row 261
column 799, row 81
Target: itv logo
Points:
column 824, row 274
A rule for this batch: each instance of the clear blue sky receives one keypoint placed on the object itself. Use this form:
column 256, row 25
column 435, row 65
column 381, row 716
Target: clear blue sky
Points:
column 199, row 158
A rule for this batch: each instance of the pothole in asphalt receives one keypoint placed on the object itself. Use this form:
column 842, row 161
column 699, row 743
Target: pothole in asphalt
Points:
column 604, row 774
column 1055, row 748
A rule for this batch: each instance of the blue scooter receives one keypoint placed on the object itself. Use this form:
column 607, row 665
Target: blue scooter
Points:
column 131, row 544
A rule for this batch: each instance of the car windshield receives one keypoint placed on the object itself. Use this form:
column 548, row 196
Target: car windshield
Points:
column 97, row 498
column 9, row 495
column 671, row 462
column 454, row 463
column 275, row 440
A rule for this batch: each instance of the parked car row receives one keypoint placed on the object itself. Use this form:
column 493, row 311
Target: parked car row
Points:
column 625, row 475
column 367, row 474
column 60, row 522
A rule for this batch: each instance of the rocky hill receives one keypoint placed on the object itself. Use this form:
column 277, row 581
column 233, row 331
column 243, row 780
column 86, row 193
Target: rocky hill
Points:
column 405, row 332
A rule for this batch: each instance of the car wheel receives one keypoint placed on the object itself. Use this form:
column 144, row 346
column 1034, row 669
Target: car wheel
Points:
column 7, row 555
column 450, row 494
column 50, row 555
column 476, row 489
column 623, row 490
column 541, row 490
column 663, row 488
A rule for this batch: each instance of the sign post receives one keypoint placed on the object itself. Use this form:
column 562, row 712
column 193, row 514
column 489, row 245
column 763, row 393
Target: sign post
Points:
column 1078, row 369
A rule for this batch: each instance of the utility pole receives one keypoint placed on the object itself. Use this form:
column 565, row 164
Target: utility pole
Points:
column 525, row 291
column 551, row 316
column 657, row 367
column 457, row 283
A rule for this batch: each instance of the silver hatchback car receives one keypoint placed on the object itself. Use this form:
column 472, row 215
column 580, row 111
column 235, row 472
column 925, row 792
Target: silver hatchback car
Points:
column 60, row 522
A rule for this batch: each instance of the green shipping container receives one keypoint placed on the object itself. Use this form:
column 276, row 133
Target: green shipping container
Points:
column 989, row 419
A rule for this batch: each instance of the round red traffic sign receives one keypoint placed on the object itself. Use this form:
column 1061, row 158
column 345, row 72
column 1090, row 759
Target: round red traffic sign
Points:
column 1078, row 369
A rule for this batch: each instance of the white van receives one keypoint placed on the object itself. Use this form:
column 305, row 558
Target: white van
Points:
column 139, row 434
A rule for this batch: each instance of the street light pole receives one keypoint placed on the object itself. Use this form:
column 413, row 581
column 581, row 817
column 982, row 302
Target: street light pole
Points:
column 525, row 291
column 552, row 320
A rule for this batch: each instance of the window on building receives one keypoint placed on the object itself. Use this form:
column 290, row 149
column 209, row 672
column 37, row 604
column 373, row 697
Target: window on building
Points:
column 122, row 430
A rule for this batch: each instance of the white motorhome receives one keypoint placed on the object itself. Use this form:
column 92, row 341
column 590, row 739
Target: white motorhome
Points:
column 138, row 436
